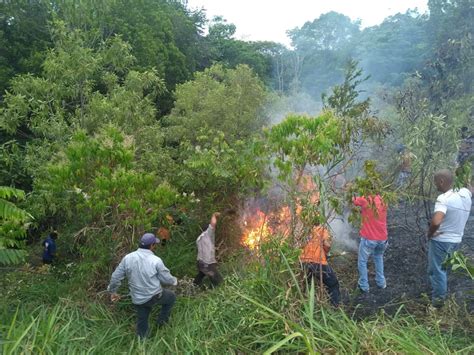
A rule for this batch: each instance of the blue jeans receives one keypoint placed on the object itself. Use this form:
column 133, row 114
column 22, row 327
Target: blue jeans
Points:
column 166, row 299
column 438, row 252
column 374, row 248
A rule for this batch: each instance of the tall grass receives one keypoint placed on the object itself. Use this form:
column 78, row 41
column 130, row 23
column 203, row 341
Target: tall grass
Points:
column 255, row 311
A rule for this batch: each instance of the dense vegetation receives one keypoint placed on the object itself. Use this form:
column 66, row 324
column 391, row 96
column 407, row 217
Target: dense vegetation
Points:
column 120, row 117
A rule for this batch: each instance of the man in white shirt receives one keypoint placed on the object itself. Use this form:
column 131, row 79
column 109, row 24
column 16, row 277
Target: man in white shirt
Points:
column 206, row 258
column 446, row 230
column 146, row 273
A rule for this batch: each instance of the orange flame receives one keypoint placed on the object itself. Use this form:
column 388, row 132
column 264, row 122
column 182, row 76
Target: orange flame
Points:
column 260, row 226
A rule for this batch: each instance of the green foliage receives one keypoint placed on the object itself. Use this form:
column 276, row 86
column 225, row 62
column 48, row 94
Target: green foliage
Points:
column 13, row 225
column 24, row 38
column 80, row 88
column 343, row 97
column 230, row 52
column 227, row 100
column 322, row 148
column 461, row 263
column 370, row 185
column 394, row 49
column 69, row 90
column 259, row 309
column 101, row 171
column 322, row 48
column 300, row 141
column 164, row 35
column 463, row 175
column 219, row 172
column 209, row 134
column 306, row 151
column 432, row 138
column 96, row 182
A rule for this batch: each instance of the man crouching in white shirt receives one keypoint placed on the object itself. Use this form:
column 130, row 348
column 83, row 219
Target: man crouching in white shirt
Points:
column 146, row 273
column 446, row 230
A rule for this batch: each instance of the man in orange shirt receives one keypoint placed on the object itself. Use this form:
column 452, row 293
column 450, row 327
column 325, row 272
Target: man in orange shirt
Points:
column 315, row 264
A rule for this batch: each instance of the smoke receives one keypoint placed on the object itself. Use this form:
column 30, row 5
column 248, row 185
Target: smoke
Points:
column 342, row 231
column 280, row 106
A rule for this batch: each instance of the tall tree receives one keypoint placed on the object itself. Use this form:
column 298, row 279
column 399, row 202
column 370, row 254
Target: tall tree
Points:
column 82, row 86
column 227, row 100
column 323, row 47
column 24, row 37
column 394, row 49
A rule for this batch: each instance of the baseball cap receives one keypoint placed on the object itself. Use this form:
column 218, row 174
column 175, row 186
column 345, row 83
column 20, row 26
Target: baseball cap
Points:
column 148, row 239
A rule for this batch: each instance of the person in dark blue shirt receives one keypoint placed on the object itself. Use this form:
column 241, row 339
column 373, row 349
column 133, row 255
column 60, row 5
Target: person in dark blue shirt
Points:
column 49, row 248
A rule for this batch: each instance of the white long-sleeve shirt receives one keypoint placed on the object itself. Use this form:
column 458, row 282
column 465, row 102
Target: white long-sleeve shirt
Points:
column 145, row 273
column 206, row 246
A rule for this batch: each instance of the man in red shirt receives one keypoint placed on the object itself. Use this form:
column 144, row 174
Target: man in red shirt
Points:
column 373, row 239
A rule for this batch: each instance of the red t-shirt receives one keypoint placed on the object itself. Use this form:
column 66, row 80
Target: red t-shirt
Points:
column 374, row 217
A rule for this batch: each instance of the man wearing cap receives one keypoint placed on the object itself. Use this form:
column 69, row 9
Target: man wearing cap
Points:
column 146, row 273
column 206, row 258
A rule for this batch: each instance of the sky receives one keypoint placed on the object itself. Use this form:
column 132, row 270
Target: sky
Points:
column 260, row 20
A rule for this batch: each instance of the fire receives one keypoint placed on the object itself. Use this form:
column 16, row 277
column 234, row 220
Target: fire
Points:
column 257, row 230
column 261, row 226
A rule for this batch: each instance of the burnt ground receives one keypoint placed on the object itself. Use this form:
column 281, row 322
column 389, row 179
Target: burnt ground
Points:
column 405, row 264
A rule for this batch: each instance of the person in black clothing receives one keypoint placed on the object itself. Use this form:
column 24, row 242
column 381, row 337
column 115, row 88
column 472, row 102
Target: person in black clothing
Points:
column 49, row 248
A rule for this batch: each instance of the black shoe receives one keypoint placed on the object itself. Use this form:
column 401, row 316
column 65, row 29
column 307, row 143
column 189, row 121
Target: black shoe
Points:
column 362, row 291
column 382, row 287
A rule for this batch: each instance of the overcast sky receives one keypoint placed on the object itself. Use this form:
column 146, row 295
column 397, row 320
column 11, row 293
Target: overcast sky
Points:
column 270, row 19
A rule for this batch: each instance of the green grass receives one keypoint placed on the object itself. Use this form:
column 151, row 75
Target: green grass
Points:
column 258, row 310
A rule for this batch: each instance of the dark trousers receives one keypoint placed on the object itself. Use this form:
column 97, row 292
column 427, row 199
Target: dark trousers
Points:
column 209, row 270
column 313, row 272
column 166, row 299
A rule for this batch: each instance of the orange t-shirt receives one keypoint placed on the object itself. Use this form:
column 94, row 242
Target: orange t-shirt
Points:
column 314, row 252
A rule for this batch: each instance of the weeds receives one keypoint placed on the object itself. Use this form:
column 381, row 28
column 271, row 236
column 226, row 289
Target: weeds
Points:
column 257, row 310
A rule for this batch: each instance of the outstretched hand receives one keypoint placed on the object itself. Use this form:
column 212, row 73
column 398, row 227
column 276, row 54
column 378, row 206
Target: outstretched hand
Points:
column 114, row 297
column 214, row 218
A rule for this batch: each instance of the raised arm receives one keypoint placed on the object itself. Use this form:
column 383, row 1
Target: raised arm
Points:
column 359, row 201
column 214, row 218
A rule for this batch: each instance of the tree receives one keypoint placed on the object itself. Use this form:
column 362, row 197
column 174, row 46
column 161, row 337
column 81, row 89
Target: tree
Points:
column 449, row 20
column 96, row 183
column 24, row 38
column 434, row 105
column 392, row 50
column 148, row 26
column 227, row 100
column 80, row 87
column 224, row 49
column 14, row 222
column 323, row 47
column 343, row 97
